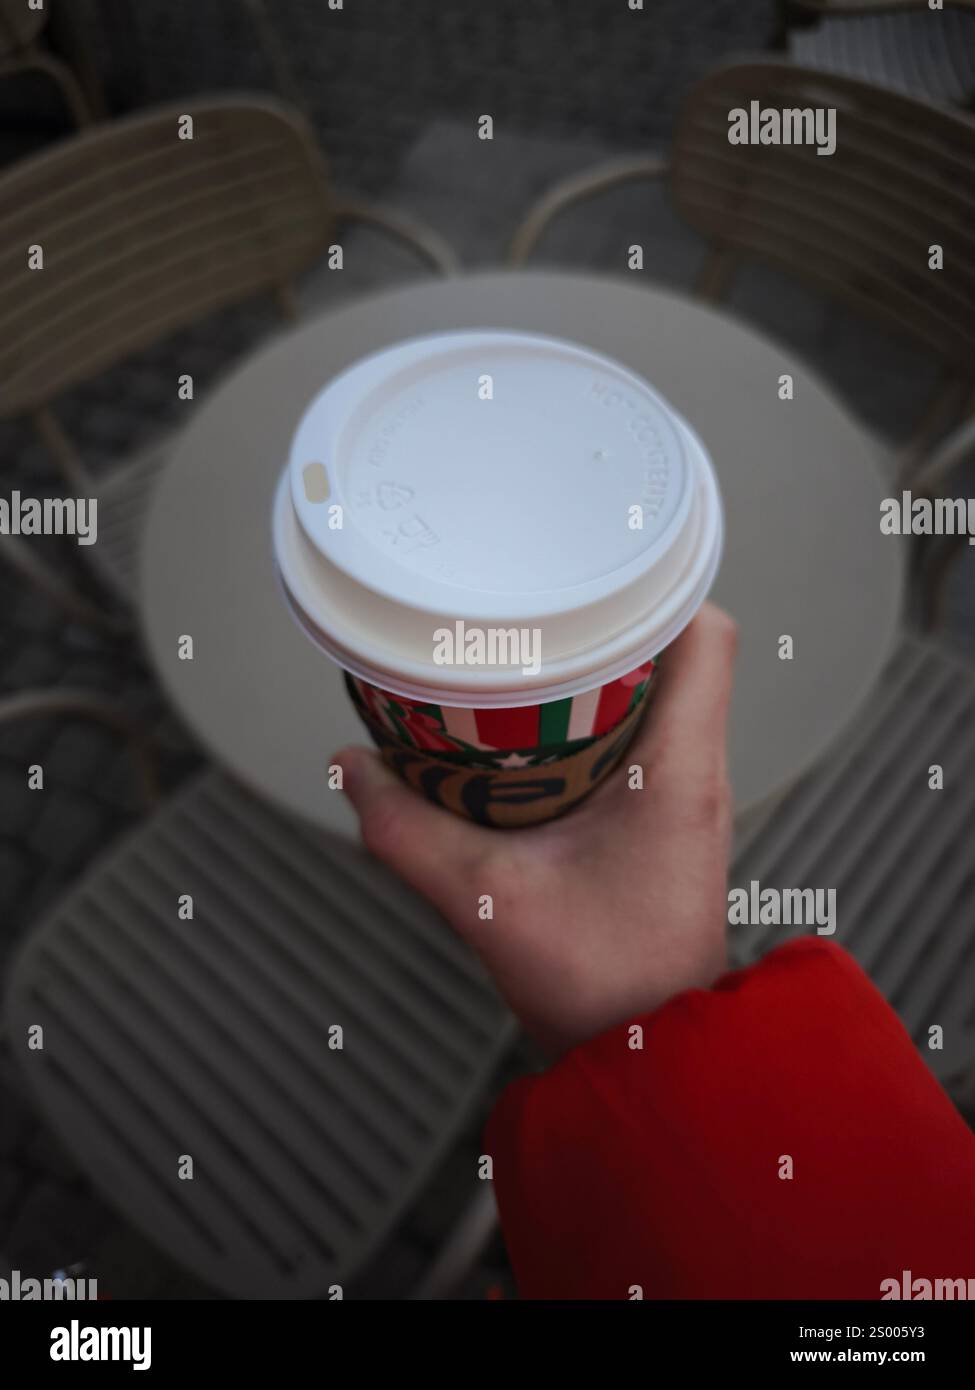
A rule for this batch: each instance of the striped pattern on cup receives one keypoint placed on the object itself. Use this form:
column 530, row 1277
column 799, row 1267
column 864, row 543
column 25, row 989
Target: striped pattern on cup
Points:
column 523, row 736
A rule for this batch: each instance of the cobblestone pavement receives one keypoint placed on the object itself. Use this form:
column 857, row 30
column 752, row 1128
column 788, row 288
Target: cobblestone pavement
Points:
column 382, row 82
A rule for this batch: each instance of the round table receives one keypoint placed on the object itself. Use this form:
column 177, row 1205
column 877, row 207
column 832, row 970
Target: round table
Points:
column 801, row 482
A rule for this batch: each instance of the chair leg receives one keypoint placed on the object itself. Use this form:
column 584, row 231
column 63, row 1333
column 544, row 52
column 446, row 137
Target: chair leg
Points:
column 464, row 1246
column 716, row 274
column 68, row 85
column 71, row 27
column 284, row 295
column 87, row 704
column 65, row 454
column 933, row 580
column 946, row 407
column 16, row 553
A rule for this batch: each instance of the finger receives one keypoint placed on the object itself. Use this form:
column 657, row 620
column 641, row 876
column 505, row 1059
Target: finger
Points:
column 685, row 730
column 688, row 725
column 685, row 727
column 434, row 851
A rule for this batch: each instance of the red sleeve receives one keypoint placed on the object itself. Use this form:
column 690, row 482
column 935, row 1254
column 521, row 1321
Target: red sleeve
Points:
column 661, row 1167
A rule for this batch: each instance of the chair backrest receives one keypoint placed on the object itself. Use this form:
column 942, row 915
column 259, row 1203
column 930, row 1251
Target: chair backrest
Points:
column 858, row 222
column 143, row 231
column 19, row 25
column 218, row 1042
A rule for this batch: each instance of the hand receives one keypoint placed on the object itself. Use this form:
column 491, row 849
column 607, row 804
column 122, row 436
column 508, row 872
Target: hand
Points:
column 602, row 915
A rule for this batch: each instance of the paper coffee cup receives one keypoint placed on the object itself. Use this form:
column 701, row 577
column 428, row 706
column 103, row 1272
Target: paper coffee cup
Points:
column 496, row 535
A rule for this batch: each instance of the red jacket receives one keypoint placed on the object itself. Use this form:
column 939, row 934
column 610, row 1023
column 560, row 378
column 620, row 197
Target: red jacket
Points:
column 660, row 1168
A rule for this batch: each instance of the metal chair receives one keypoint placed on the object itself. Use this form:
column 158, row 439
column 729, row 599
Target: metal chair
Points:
column 897, row 852
column 22, row 50
column 926, row 54
column 214, row 1038
column 144, row 232
column 857, row 224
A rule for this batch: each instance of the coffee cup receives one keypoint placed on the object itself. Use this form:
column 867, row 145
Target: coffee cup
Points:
column 496, row 535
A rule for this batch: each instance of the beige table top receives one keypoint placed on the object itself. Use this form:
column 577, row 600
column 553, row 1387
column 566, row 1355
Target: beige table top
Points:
column 800, row 480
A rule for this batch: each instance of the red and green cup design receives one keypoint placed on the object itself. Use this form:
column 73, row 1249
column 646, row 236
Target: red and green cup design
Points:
column 506, row 767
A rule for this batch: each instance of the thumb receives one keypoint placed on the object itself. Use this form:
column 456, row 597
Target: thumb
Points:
column 433, row 850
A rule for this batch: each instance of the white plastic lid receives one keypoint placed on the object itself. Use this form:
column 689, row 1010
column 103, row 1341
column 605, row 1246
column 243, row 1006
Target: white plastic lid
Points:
column 493, row 478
